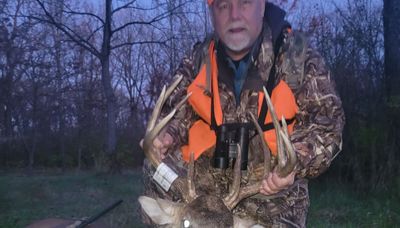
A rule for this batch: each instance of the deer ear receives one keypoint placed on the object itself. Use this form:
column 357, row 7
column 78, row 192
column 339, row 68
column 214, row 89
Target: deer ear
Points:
column 244, row 223
column 160, row 211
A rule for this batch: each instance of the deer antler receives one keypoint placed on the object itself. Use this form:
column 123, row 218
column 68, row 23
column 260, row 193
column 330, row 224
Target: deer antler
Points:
column 237, row 193
column 286, row 162
column 154, row 128
column 235, row 189
column 191, row 187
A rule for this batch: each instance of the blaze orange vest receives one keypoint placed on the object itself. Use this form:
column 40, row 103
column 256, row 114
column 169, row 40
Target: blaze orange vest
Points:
column 201, row 136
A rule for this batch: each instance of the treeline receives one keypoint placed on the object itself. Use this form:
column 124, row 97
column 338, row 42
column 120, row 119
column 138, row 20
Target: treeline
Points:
column 78, row 80
column 351, row 39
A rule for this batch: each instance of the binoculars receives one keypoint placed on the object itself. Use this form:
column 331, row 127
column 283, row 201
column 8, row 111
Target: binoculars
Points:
column 228, row 137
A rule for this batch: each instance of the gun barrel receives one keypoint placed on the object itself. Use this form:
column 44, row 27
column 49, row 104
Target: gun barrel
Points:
column 98, row 215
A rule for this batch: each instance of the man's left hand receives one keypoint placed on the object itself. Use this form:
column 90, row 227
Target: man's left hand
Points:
column 273, row 183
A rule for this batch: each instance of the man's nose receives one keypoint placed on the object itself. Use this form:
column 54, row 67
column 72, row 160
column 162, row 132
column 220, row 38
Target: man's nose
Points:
column 235, row 11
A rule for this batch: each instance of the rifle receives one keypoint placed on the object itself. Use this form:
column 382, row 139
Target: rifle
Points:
column 86, row 222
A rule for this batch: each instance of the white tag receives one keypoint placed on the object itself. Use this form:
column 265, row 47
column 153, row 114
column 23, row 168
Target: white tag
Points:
column 164, row 176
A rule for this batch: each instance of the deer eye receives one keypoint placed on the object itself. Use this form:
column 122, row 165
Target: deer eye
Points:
column 186, row 223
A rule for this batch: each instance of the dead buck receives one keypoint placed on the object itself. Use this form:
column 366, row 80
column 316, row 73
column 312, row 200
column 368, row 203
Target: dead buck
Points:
column 208, row 210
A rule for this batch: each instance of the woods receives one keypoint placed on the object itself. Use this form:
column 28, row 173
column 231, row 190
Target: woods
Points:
column 78, row 80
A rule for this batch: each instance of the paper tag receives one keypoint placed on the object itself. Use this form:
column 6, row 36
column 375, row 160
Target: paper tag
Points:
column 164, row 176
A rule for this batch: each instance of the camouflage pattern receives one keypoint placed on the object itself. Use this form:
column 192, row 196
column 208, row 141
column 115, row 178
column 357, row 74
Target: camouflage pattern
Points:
column 317, row 135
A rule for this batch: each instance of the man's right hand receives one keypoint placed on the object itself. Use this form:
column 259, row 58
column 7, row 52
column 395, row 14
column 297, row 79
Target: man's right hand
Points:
column 161, row 144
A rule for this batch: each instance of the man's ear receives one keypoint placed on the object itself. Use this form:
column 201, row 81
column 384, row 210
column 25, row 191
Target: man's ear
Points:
column 211, row 13
column 161, row 212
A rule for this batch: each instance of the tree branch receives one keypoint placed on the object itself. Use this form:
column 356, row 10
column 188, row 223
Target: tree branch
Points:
column 67, row 31
column 122, row 7
column 82, row 13
column 94, row 32
column 155, row 19
column 141, row 42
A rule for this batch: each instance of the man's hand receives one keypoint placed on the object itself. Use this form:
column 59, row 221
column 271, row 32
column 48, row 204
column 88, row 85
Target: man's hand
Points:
column 161, row 143
column 273, row 183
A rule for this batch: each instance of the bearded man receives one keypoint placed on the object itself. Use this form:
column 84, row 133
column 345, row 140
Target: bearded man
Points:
column 253, row 47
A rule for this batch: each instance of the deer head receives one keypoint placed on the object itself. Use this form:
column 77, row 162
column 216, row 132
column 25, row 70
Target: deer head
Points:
column 210, row 210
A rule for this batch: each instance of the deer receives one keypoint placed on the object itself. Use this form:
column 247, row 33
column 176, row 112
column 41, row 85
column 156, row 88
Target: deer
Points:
column 205, row 210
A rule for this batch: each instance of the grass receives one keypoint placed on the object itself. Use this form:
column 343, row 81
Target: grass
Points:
column 24, row 199
column 338, row 205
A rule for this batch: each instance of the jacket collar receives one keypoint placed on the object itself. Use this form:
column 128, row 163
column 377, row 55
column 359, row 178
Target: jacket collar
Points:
column 274, row 17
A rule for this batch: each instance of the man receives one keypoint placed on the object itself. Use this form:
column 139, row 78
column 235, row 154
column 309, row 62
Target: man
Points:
column 253, row 46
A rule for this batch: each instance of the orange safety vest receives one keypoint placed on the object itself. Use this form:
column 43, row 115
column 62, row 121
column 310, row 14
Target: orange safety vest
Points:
column 201, row 136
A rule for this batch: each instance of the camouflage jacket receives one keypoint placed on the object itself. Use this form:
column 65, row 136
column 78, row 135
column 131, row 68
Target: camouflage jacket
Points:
column 317, row 135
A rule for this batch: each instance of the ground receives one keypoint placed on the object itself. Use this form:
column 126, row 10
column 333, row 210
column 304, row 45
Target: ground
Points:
column 71, row 194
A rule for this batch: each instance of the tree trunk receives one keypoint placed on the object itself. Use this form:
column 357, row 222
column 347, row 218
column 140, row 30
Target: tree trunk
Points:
column 111, row 100
column 31, row 147
column 391, row 21
column 59, row 90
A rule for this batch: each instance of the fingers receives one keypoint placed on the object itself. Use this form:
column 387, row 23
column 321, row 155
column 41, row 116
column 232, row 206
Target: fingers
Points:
column 162, row 143
column 167, row 139
column 157, row 143
column 270, row 185
column 273, row 183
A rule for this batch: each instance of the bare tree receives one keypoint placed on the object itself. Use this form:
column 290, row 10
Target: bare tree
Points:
column 391, row 20
column 103, row 53
column 14, row 42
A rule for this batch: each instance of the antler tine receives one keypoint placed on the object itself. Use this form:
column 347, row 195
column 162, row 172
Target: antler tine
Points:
column 286, row 163
column 291, row 154
column 266, row 151
column 234, row 192
column 165, row 93
column 190, row 177
column 253, row 189
column 275, row 121
column 172, row 87
column 156, row 110
column 154, row 129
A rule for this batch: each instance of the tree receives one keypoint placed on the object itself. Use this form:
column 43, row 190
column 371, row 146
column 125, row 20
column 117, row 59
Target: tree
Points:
column 103, row 52
column 14, row 42
column 391, row 21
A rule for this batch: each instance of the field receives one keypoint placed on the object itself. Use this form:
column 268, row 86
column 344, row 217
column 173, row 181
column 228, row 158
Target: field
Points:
column 24, row 199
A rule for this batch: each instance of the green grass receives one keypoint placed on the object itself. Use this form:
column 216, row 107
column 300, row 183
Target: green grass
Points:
column 338, row 205
column 24, row 199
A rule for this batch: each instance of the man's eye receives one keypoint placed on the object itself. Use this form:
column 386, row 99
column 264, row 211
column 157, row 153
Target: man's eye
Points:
column 246, row 1
column 223, row 5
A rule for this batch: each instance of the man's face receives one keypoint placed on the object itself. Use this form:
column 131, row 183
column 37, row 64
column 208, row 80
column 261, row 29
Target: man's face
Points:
column 238, row 22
